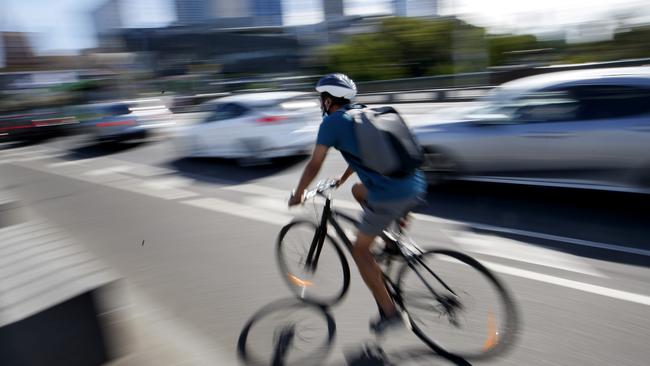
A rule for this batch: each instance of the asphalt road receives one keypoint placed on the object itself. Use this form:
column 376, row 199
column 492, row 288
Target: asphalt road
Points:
column 576, row 261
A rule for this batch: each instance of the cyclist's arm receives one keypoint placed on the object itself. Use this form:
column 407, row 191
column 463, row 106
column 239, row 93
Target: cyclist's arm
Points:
column 348, row 172
column 312, row 168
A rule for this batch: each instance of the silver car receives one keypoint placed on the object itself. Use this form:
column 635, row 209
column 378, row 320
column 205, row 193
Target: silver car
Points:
column 581, row 129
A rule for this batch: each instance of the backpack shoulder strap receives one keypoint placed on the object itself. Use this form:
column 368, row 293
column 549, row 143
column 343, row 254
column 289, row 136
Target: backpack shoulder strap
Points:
column 385, row 110
column 356, row 114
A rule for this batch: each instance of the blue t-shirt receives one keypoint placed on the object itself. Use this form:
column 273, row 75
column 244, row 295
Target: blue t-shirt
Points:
column 337, row 131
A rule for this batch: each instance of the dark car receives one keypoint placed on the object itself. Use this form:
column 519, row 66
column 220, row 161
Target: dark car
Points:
column 111, row 122
column 35, row 124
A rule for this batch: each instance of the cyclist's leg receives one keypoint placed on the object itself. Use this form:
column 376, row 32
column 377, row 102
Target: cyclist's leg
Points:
column 376, row 218
column 360, row 193
column 371, row 273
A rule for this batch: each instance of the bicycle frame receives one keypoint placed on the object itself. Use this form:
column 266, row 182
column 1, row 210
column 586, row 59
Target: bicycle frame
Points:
column 328, row 218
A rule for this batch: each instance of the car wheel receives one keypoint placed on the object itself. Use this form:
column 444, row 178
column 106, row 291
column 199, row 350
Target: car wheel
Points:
column 438, row 167
column 252, row 162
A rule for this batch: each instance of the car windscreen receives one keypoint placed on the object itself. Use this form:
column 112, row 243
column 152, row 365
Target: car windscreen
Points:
column 545, row 106
column 117, row 110
column 225, row 111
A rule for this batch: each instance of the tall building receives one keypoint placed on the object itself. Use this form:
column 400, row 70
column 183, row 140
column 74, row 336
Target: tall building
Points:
column 333, row 9
column 415, row 8
column 17, row 50
column 267, row 12
column 192, row 11
column 107, row 17
column 230, row 13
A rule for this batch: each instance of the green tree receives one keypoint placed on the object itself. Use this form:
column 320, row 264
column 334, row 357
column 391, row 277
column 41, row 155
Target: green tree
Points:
column 500, row 46
column 407, row 47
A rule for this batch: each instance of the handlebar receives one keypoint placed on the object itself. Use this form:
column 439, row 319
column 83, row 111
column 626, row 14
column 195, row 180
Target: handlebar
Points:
column 320, row 189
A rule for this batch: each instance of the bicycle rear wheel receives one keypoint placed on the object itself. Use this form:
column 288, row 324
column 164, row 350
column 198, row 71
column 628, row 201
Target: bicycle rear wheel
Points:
column 326, row 285
column 471, row 315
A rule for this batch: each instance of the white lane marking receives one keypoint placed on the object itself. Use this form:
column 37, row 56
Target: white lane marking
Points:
column 281, row 207
column 167, row 183
column 150, row 171
column 25, row 151
column 562, row 183
column 562, row 239
column 268, row 203
column 257, row 189
column 260, row 190
column 496, row 246
column 237, row 209
column 138, row 186
column 575, row 285
column 117, row 181
column 71, row 162
column 109, row 170
column 32, row 158
column 63, row 164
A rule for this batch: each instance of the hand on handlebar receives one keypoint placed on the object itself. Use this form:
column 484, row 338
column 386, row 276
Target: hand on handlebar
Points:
column 295, row 199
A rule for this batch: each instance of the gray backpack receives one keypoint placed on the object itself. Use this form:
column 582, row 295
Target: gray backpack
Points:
column 386, row 144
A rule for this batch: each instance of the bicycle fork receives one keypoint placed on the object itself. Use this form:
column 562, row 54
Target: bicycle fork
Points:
column 318, row 241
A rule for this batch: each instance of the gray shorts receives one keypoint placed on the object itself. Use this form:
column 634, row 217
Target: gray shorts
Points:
column 377, row 216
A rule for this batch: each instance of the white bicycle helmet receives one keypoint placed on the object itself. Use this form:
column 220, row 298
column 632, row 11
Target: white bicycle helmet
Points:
column 337, row 85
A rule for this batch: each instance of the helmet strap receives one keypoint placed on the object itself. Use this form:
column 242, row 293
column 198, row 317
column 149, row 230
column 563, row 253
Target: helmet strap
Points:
column 325, row 105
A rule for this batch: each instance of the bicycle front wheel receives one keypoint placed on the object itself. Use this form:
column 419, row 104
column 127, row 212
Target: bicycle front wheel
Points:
column 328, row 283
column 453, row 298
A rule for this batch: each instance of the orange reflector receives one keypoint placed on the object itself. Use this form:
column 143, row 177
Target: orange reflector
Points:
column 493, row 334
column 298, row 282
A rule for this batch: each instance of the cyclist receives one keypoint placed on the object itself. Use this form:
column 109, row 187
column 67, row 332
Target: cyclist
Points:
column 383, row 199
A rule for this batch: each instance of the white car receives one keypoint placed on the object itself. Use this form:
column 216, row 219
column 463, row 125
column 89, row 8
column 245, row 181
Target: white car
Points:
column 257, row 126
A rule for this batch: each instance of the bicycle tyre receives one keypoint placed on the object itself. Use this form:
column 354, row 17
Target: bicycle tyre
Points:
column 296, row 285
column 498, row 340
column 250, row 355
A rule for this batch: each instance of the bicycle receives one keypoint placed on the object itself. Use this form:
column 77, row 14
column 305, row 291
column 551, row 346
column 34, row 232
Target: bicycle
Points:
column 435, row 296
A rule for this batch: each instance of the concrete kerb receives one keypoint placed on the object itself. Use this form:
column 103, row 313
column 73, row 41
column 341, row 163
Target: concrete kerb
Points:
column 11, row 210
column 134, row 331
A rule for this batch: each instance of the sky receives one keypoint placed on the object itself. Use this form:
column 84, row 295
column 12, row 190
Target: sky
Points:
column 65, row 25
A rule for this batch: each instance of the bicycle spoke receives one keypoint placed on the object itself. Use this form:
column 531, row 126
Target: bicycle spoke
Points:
column 325, row 283
column 468, row 313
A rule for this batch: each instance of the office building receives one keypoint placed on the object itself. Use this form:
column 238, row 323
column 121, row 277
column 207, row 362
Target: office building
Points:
column 190, row 12
column 107, row 18
column 333, row 9
column 267, row 12
column 415, row 8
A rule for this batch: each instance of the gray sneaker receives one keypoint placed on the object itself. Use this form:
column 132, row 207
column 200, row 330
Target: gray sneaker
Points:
column 380, row 325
